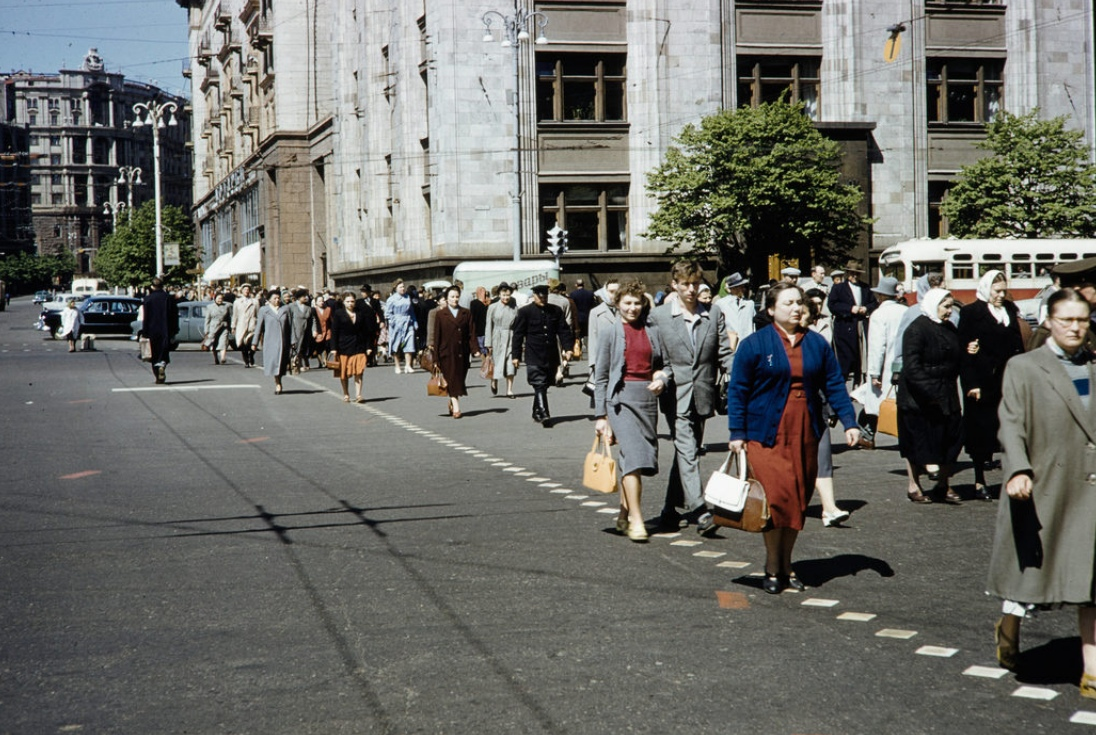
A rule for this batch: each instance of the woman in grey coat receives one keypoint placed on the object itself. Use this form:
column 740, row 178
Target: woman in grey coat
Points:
column 1044, row 551
column 500, row 337
column 274, row 337
column 217, row 319
column 629, row 375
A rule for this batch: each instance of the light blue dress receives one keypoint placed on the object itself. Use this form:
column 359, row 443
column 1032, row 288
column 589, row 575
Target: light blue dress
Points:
column 399, row 312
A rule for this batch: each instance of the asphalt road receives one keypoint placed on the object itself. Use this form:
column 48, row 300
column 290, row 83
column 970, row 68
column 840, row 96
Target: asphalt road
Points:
column 207, row 557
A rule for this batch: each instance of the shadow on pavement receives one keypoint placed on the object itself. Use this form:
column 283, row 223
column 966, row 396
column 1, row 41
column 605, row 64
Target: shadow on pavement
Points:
column 484, row 410
column 816, row 572
column 188, row 382
column 1055, row 662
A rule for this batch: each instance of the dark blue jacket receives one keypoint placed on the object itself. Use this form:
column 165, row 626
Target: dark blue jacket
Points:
column 761, row 379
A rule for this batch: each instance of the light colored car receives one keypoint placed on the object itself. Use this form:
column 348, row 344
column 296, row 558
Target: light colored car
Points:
column 191, row 322
column 1029, row 308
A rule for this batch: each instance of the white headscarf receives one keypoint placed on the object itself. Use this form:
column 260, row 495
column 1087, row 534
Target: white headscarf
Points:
column 984, row 285
column 931, row 301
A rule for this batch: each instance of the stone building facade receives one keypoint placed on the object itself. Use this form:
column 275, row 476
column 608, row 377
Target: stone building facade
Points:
column 80, row 131
column 411, row 159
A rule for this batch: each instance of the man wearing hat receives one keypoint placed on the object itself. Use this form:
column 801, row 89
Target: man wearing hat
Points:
column 851, row 303
column 791, row 275
column 882, row 341
column 738, row 311
column 541, row 330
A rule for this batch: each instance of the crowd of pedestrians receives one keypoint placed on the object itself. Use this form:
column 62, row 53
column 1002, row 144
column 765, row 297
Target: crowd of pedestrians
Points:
column 781, row 365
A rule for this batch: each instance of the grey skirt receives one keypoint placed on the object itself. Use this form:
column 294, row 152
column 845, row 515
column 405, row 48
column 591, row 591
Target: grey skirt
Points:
column 633, row 416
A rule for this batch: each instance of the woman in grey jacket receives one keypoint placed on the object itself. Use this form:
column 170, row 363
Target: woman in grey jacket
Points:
column 629, row 375
column 217, row 318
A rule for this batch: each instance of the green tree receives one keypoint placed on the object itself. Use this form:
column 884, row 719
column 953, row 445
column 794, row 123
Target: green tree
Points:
column 127, row 256
column 26, row 272
column 1038, row 182
column 754, row 182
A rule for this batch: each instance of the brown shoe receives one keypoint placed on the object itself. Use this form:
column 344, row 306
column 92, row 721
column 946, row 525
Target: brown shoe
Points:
column 918, row 497
column 1008, row 649
column 1088, row 686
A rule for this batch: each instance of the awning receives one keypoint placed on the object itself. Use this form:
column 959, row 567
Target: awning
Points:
column 217, row 270
column 247, row 260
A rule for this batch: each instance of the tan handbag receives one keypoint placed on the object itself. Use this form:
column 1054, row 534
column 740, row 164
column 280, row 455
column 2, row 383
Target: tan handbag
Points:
column 437, row 386
column 888, row 416
column 599, row 470
column 754, row 516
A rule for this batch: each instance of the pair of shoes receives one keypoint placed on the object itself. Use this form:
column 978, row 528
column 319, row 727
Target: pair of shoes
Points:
column 637, row 532
column 772, row 584
column 980, row 493
column 948, row 496
column 1008, row 649
column 918, row 497
column 1088, row 686
column 705, row 525
column 793, row 582
column 836, row 519
column 494, row 387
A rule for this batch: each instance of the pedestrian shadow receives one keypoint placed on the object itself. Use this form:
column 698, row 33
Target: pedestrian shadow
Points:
column 1055, row 662
column 484, row 410
column 852, row 506
column 188, row 382
column 816, row 572
column 378, row 399
column 568, row 419
column 301, row 392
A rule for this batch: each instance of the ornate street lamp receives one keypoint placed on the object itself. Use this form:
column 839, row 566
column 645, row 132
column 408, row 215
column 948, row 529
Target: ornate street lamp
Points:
column 129, row 176
column 515, row 30
column 153, row 113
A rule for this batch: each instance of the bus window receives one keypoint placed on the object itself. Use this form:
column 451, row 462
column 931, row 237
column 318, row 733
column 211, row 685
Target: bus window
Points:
column 962, row 270
column 896, row 270
column 1067, row 256
column 984, row 268
column 1021, row 256
column 1021, row 270
column 992, row 258
column 927, row 266
column 1046, row 256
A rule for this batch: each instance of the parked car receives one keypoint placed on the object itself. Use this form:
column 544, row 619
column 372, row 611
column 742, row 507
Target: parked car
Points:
column 40, row 297
column 1029, row 308
column 191, row 322
column 102, row 315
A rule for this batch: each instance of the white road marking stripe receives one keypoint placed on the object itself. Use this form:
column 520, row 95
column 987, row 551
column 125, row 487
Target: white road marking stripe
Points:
column 857, row 617
column 1026, row 692
column 903, row 635
column 733, row 564
column 1081, row 717
column 938, row 651
column 986, row 672
column 819, row 602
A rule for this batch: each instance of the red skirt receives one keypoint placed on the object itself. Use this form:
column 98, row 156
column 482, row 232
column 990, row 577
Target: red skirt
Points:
column 787, row 470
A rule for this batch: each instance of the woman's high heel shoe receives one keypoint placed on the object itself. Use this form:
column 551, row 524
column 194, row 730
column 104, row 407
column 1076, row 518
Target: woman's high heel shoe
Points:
column 772, row 584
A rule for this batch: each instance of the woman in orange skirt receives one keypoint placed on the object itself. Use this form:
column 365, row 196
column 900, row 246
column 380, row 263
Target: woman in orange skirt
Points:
column 353, row 328
column 774, row 412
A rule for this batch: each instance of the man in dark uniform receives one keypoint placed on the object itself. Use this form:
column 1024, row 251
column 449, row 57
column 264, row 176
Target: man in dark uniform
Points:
column 542, row 331
column 584, row 301
column 851, row 303
column 160, row 324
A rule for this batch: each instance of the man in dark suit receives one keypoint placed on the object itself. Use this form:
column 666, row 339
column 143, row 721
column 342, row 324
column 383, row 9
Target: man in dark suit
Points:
column 541, row 330
column 851, row 303
column 160, row 315
column 584, row 301
column 694, row 343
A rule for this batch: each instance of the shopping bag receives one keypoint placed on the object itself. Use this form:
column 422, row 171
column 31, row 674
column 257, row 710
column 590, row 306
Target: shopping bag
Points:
column 437, row 386
column 599, row 469
column 727, row 490
column 487, row 369
column 888, row 417
column 146, row 349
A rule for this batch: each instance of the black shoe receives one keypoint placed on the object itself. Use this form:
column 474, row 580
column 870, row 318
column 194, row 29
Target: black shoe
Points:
column 668, row 522
column 792, row 582
column 705, row 525
column 772, row 584
column 981, row 493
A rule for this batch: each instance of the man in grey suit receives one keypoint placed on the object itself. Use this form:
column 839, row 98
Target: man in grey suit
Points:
column 694, row 343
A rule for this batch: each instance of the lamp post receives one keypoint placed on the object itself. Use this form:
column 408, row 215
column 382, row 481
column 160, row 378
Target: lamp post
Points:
column 113, row 210
column 515, row 30
column 153, row 113
column 130, row 176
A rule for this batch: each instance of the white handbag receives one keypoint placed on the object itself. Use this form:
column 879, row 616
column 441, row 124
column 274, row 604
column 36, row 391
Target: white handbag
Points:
column 728, row 491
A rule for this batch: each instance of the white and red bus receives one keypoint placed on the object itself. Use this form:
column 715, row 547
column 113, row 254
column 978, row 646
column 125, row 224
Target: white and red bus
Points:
column 1026, row 263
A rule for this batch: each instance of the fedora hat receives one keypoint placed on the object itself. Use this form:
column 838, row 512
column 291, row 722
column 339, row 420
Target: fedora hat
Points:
column 853, row 266
column 887, row 286
column 734, row 280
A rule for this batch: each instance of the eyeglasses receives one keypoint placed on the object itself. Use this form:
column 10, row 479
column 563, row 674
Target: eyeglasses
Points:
column 1069, row 322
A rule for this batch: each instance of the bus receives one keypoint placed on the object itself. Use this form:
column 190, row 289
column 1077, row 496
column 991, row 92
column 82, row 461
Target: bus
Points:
column 1026, row 263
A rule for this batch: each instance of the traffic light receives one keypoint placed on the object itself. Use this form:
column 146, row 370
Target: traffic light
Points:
column 557, row 241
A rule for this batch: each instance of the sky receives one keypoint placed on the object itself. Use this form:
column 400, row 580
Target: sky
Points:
column 146, row 40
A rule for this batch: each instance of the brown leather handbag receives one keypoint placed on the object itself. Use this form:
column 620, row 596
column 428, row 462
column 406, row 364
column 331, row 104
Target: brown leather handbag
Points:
column 437, row 386
column 754, row 516
column 888, row 416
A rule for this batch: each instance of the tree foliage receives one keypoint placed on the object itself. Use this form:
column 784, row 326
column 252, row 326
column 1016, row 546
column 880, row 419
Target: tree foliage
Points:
column 754, row 182
column 127, row 256
column 26, row 272
column 1038, row 182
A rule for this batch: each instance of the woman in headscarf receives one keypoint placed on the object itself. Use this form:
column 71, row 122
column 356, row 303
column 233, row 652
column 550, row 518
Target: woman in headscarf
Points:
column 399, row 314
column 500, row 336
column 930, row 423
column 992, row 323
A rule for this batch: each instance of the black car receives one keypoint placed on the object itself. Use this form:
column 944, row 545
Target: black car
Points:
column 102, row 315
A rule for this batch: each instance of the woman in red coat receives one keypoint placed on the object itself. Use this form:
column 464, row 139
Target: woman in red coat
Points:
column 454, row 342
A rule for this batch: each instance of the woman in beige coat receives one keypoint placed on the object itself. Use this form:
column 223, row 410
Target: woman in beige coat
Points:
column 245, row 317
column 1044, row 551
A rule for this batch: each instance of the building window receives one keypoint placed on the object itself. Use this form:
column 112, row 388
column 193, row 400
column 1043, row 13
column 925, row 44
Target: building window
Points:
column 32, row 117
column 56, row 198
column 763, row 79
column 35, row 198
column 938, row 224
column 207, row 242
column 54, row 117
column 964, row 90
column 32, row 103
column 55, row 159
column 581, row 87
column 249, row 216
column 594, row 215
column 224, row 231
column 55, row 140
column 55, row 179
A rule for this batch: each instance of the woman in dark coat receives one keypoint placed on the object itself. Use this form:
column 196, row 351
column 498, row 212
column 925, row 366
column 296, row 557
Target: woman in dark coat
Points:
column 930, row 423
column 273, row 336
column 993, row 324
column 353, row 331
column 1044, row 551
column 454, row 341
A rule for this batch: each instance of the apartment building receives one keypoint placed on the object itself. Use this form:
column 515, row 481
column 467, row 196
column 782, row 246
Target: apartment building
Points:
column 409, row 163
column 79, row 124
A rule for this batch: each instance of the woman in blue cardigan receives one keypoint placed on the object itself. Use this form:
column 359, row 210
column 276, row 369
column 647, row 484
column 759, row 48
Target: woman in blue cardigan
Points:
column 775, row 414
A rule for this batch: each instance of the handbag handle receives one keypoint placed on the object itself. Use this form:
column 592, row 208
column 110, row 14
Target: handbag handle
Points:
column 600, row 445
column 740, row 457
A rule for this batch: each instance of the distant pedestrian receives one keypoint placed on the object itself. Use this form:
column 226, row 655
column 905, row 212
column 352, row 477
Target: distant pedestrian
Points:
column 1044, row 550
column 629, row 376
column 478, row 307
column 302, row 321
column 499, row 339
column 851, row 304
column 72, row 321
column 454, row 342
column 882, row 338
column 584, row 301
column 217, row 317
column 399, row 315
column 543, row 336
column 273, row 336
column 160, row 324
column 245, row 317
column 353, row 333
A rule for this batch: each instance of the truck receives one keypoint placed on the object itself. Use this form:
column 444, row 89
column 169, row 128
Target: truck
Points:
column 522, row 275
